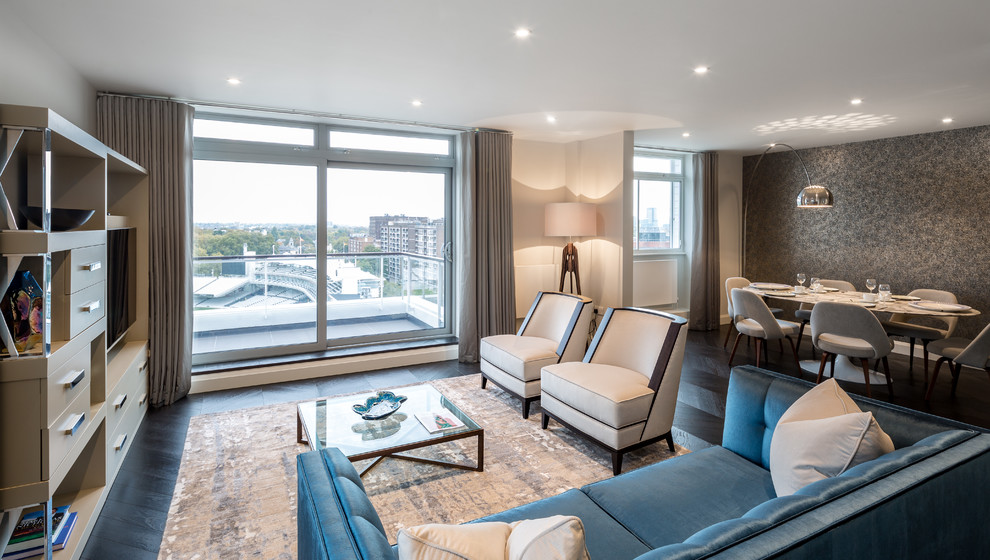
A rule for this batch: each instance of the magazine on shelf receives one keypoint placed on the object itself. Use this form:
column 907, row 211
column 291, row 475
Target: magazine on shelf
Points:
column 38, row 546
column 439, row 420
column 32, row 526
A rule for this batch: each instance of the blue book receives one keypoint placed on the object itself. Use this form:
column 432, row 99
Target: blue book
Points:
column 58, row 541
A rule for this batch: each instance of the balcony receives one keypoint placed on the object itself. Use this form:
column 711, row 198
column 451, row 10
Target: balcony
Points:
column 259, row 301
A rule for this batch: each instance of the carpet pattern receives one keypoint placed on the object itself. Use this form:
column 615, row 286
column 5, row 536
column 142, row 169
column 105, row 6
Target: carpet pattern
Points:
column 235, row 496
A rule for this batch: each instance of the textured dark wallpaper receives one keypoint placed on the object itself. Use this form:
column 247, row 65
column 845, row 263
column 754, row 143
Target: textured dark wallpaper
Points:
column 911, row 211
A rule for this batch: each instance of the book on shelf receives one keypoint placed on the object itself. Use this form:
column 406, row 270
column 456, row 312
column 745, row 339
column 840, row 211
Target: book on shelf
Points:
column 438, row 420
column 36, row 547
column 32, row 526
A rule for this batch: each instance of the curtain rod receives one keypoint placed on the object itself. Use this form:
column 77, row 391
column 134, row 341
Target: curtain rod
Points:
column 304, row 113
column 641, row 146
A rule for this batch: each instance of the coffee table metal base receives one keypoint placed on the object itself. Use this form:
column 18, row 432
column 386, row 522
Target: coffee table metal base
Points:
column 479, row 466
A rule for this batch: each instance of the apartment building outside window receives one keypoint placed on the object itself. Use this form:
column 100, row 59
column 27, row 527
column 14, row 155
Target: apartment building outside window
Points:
column 310, row 235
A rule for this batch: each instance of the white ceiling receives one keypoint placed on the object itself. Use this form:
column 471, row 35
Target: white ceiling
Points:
column 781, row 70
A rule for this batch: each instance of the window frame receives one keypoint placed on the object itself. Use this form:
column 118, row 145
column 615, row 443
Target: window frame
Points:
column 680, row 178
column 322, row 156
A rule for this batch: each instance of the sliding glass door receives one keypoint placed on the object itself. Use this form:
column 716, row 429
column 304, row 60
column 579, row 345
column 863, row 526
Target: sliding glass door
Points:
column 308, row 236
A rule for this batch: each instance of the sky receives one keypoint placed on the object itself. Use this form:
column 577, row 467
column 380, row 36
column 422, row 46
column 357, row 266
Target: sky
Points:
column 226, row 192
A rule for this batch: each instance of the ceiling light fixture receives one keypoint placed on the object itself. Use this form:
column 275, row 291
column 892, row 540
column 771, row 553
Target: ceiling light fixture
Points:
column 856, row 101
column 551, row 119
column 701, row 70
column 947, row 120
column 417, row 103
column 686, row 134
column 233, row 81
column 523, row 33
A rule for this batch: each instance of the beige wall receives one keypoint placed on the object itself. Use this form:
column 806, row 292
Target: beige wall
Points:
column 587, row 171
column 33, row 74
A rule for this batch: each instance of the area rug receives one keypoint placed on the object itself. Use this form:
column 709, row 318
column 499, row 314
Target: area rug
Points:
column 235, row 496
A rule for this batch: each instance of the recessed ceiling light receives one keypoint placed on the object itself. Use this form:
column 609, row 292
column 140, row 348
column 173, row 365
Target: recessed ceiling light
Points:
column 947, row 120
column 701, row 70
column 686, row 134
column 522, row 33
column 233, row 81
column 856, row 101
column 417, row 103
column 551, row 119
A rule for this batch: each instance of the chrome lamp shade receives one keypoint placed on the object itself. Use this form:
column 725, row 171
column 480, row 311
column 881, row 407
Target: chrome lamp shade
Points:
column 814, row 196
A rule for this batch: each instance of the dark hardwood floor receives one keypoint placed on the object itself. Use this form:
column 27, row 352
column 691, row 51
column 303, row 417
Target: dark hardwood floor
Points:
column 133, row 519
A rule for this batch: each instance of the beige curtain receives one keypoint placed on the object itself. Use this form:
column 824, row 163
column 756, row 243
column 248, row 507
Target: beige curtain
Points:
column 485, row 279
column 705, row 273
column 157, row 134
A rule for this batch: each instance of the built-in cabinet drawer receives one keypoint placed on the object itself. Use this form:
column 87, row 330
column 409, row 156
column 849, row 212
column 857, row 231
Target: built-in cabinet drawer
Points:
column 66, row 431
column 131, row 389
column 127, row 423
column 84, row 308
column 67, row 382
column 86, row 266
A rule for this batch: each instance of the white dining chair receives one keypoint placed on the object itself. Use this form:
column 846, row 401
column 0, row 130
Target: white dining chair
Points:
column 803, row 312
column 846, row 329
column 738, row 282
column 754, row 319
column 900, row 324
column 960, row 352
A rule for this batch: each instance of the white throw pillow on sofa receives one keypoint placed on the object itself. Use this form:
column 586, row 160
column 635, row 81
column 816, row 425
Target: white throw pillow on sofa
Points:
column 476, row 541
column 820, row 436
column 560, row 537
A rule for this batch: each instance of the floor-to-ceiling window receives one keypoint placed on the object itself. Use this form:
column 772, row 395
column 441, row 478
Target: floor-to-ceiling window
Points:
column 309, row 236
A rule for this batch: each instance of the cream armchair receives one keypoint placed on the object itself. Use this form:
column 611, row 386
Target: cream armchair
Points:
column 555, row 330
column 622, row 396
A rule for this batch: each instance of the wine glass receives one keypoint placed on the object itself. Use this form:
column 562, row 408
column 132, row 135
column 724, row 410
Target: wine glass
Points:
column 884, row 292
column 871, row 283
column 816, row 285
column 801, row 278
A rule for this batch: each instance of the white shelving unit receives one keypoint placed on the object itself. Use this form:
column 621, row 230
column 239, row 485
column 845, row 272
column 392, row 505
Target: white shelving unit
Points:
column 69, row 404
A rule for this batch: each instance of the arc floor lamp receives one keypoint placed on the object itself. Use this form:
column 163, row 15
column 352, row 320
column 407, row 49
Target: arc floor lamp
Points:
column 570, row 219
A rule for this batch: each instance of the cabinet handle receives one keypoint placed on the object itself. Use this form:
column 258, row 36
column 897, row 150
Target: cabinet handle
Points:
column 142, row 399
column 120, row 442
column 73, row 379
column 93, row 266
column 72, row 425
column 91, row 306
column 119, row 401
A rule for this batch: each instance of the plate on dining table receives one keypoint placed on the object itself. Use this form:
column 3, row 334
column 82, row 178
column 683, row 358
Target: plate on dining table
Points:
column 829, row 289
column 940, row 306
column 906, row 298
column 770, row 286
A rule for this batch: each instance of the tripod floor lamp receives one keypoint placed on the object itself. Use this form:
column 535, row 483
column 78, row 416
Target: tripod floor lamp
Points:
column 570, row 219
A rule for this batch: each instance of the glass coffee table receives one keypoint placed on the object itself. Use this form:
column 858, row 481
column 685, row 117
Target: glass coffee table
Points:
column 331, row 422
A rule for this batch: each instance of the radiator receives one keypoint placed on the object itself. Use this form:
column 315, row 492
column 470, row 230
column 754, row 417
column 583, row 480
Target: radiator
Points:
column 654, row 282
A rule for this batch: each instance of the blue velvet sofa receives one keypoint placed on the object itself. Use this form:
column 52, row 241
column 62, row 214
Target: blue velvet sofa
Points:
column 927, row 499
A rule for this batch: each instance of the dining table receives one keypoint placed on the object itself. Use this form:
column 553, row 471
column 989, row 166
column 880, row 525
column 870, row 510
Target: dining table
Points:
column 844, row 369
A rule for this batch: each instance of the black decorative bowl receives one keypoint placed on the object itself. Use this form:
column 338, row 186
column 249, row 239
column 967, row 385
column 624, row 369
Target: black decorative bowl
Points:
column 63, row 219
column 380, row 405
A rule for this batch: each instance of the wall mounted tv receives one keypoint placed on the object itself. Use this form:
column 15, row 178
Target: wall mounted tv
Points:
column 120, row 283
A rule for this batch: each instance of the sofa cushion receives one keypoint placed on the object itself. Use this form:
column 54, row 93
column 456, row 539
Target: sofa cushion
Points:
column 613, row 395
column 663, row 503
column 604, row 536
column 560, row 537
column 821, row 435
column 435, row 541
column 520, row 356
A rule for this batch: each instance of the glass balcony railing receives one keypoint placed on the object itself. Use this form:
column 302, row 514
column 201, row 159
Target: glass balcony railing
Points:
column 257, row 301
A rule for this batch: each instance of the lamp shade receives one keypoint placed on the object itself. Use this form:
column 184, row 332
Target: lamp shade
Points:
column 814, row 196
column 570, row 219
